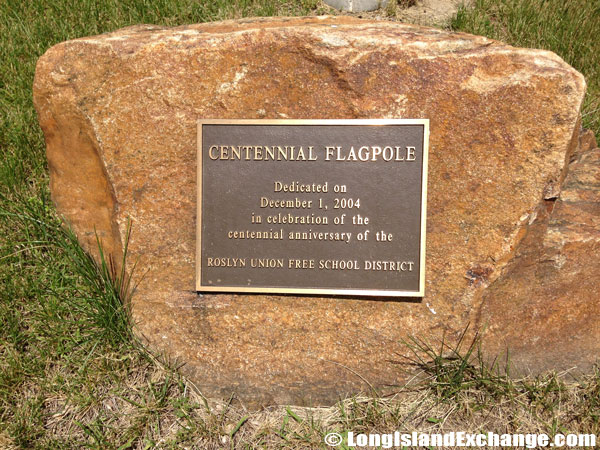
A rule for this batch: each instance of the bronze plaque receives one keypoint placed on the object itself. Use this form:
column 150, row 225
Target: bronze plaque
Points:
column 312, row 206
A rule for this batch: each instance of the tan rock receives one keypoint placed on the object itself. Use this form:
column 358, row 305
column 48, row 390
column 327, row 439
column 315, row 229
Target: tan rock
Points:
column 119, row 114
column 544, row 309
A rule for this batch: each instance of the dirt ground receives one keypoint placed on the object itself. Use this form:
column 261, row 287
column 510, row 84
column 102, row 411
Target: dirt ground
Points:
column 421, row 12
column 429, row 12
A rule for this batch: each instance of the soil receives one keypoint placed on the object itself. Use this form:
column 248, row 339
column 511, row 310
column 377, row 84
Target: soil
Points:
column 420, row 12
column 430, row 12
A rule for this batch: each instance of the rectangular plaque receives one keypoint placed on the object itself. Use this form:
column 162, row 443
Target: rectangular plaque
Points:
column 312, row 206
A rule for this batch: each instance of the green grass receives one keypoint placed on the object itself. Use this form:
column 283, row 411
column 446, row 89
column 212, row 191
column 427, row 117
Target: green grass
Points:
column 570, row 28
column 71, row 372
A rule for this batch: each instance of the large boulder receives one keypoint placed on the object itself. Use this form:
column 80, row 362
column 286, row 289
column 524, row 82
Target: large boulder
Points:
column 119, row 116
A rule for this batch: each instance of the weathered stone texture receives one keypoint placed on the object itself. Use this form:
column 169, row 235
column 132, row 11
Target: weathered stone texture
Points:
column 119, row 114
column 544, row 309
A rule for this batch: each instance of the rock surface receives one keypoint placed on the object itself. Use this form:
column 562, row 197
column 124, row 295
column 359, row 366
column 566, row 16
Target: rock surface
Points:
column 544, row 308
column 119, row 115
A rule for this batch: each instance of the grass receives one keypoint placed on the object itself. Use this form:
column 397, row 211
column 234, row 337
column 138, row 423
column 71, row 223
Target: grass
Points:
column 71, row 373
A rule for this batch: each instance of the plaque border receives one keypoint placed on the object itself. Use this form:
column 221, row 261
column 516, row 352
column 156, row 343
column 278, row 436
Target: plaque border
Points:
column 309, row 291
